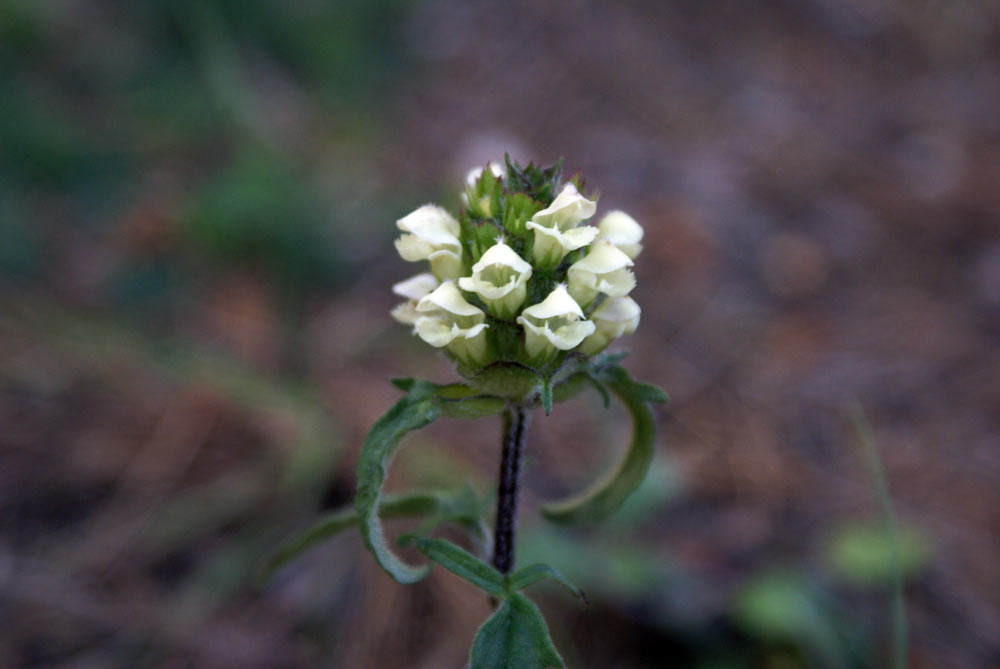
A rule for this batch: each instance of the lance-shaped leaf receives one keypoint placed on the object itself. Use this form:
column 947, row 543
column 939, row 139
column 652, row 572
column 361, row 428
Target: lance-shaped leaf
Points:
column 606, row 496
column 533, row 573
column 464, row 564
column 417, row 409
column 514, row 636
column 441, row 507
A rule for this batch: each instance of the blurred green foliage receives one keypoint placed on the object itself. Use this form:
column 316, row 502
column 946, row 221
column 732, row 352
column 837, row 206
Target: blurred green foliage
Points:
column 867, row 554
column 95, row 102
column 259, row 213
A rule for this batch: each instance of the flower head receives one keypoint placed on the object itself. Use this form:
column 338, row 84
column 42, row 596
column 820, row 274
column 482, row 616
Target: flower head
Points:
column 413, row 289
column 603, row 270
column 432, row 235
column 555, row 323
column 519, row 279
column 623, row 231
column 500, row 278
column 446, row 319
column 615, row 317
column 556, row 231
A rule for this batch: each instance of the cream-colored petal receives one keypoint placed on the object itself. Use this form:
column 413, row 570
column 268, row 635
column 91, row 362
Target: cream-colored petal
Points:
column 416, row 287
column 622, row 311
column 602, row 257
column 501, row 254
column 623, row 231
column 487, row 290
column 617, row 283
column 405, row 313
column 571, row 334
column 431, row 223
column 435, row 330
column 552, row 244
column 557, row 303
column 577, row 238
column 447, row 297
column 567, row 210
column 411, row 248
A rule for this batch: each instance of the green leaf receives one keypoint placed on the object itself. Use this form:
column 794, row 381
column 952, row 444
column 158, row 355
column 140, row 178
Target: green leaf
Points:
column 601, row 390
column 514, row 636
column 528, row 576
column 417, row 409
column 441, row 507
column 606, row 496
column 463, row 563
column 325, row 528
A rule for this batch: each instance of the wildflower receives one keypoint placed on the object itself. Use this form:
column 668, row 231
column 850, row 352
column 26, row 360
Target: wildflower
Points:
column 500, row 278
column 413, row 289
column 615, row 317
column 555, row 323
column 623, row 231
column 603, row 270
column 432, row 235
column 446, row 319
column 556, row 231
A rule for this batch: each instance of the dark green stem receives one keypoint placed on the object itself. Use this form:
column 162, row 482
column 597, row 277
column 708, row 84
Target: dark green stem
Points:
column 515, row 425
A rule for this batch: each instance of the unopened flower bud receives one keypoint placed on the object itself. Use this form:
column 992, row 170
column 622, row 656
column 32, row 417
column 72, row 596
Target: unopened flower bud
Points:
column 556, row 231
column 555, row 323
column 615, row 317
column 432, row 235
column 603, row 270
column 413, row 289
column 623, row 231
column 446, row 319
column 472, row 176
column 500, row 278
column 476, row 195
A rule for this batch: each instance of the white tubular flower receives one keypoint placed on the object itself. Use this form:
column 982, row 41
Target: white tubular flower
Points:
column 500, row 278
column 623, row 231
column 447, row 320
column 556, row 231
column 603, row 270
column 555, row 323
column 616, row 317
column 413, row 289
column 433, row 235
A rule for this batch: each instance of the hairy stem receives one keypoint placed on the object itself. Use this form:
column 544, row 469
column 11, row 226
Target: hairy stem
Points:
column 515, row 425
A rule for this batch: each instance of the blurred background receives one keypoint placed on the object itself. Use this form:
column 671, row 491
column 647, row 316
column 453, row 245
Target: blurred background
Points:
column 197, row 206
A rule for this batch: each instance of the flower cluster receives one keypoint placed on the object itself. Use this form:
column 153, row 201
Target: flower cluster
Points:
column 520, row 275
